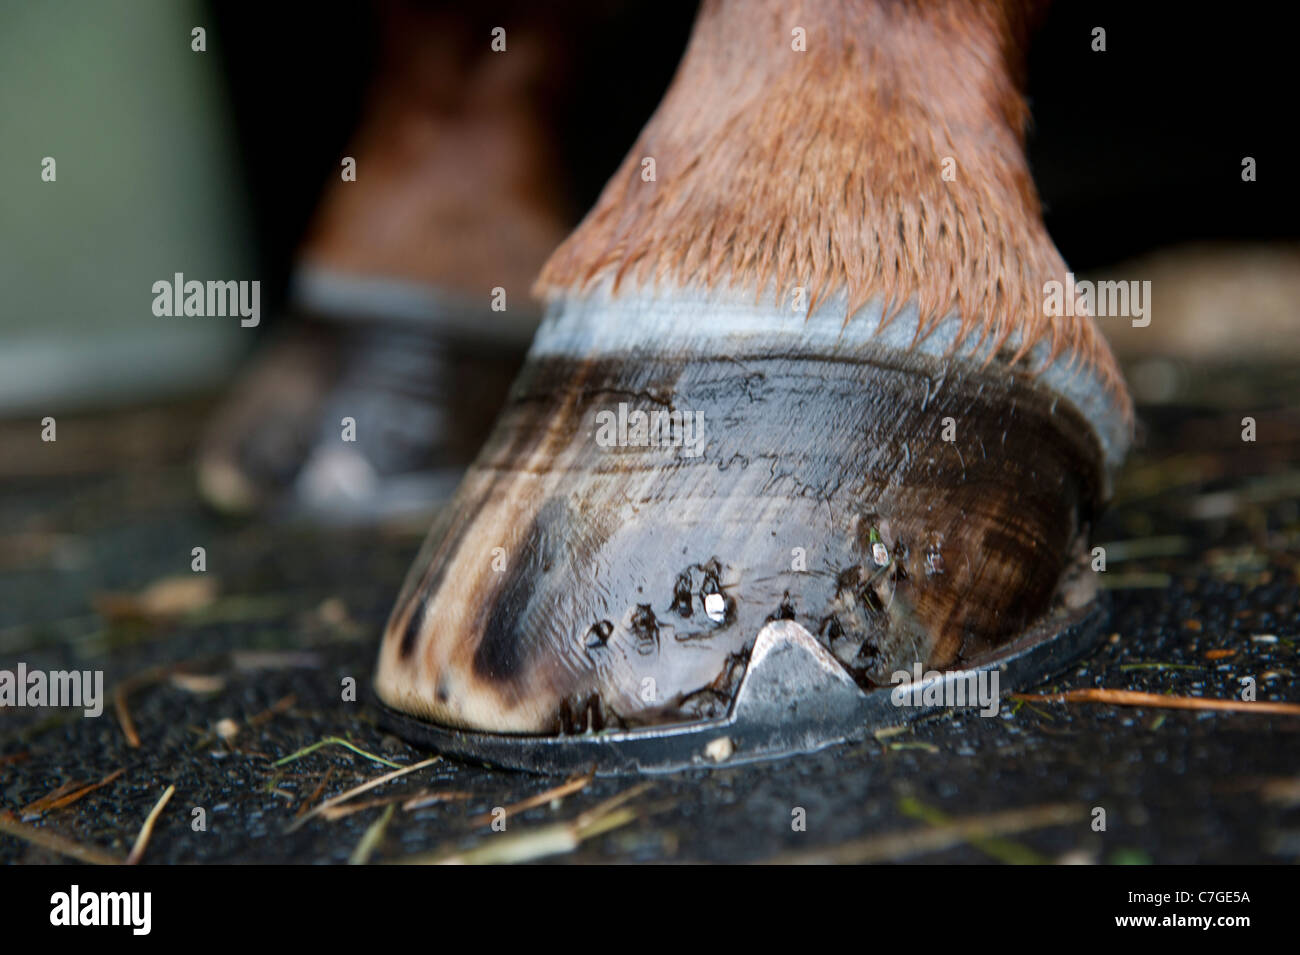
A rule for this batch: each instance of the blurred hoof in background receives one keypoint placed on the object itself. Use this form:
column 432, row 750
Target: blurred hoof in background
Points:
column 358, row 421
column 414, row 273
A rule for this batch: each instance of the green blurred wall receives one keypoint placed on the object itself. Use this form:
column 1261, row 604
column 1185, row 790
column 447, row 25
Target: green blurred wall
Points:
column 147, row 186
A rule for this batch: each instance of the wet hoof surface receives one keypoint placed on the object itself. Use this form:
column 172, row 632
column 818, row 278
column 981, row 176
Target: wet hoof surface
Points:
column 633, row 524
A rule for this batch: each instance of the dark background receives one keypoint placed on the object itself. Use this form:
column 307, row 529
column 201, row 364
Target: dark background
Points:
column 1133, row 149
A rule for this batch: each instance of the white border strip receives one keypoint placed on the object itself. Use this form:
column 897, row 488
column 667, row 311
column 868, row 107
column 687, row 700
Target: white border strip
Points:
column 354, row 297
column 723, row 324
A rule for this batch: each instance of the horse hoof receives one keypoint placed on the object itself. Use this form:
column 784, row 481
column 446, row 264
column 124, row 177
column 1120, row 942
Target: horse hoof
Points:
column 648, row 504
